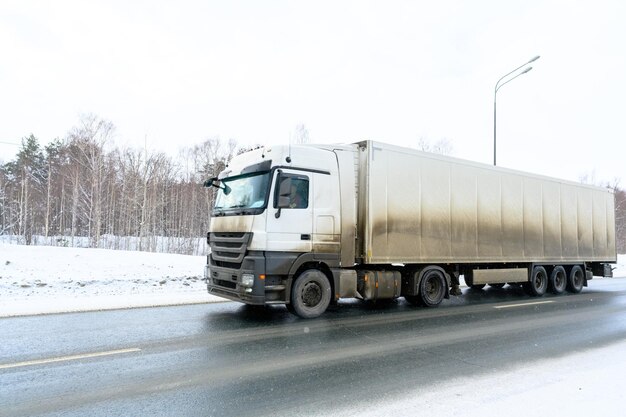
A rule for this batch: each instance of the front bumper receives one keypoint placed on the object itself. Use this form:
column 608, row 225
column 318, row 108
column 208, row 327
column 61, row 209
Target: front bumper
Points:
column 226, row 282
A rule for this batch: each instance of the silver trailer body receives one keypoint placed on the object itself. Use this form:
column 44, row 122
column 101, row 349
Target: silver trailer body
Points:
column 422, row 208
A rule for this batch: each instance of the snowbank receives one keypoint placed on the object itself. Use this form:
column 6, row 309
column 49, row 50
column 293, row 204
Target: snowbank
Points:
column 44, row 279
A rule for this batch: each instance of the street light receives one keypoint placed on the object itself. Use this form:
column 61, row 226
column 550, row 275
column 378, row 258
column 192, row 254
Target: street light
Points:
column 498, row 86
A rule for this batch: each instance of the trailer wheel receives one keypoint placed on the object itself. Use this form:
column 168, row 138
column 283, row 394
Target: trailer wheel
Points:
column 432, row 288
column 538, row 282
column 497, row 286
column 576, row 279
column 558, row 280
column 310, row 294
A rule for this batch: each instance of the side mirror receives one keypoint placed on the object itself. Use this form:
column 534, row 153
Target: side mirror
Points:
column 210, row 182
column 215, row 182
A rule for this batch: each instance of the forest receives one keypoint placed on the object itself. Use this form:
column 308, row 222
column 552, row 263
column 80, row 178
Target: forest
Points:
column 82, row 190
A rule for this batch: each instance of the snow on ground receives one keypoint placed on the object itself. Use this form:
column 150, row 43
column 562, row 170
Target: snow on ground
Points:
column 44, row 279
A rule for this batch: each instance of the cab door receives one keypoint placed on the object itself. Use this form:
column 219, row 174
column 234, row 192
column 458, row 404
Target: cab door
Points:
column 290, row 212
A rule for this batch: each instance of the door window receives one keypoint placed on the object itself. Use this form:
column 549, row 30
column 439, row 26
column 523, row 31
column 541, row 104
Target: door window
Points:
column 293, row 192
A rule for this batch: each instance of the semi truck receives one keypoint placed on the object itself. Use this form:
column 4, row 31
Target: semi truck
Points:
column 308, row 225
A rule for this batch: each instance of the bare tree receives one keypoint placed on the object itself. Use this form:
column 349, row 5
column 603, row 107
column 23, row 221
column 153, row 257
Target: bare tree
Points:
column 87, row 142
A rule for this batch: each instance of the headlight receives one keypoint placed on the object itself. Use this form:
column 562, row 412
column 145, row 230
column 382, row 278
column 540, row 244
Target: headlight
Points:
column 247, row 280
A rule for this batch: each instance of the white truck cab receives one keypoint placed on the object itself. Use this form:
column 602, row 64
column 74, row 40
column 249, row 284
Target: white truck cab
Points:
column 278, row 214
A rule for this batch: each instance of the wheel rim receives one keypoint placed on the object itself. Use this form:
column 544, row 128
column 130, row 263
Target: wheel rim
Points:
column 578, row 279
column 538, row 280
column 311, row 294
column 559, row 280
column 433, row 289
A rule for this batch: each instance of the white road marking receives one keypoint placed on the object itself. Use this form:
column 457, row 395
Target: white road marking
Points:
column 524, row 304
column 68, row 358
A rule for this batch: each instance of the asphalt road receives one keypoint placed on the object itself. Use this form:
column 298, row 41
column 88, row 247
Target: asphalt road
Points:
column 230, row 359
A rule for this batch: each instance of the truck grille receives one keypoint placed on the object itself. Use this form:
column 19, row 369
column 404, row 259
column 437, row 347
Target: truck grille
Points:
column 228, row 249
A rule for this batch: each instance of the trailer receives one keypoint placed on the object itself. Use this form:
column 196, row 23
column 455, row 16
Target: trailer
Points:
column 308, row 225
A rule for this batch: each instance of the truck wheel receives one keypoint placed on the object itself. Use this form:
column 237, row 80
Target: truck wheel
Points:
column 310, row 294
column 576, row 279
column 432, row 288
column 538, row 282
column 558, row 280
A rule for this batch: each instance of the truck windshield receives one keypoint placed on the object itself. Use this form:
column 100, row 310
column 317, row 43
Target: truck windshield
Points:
column 246, row 194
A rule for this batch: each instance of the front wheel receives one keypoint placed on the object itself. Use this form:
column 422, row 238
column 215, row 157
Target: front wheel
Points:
column 310, row 294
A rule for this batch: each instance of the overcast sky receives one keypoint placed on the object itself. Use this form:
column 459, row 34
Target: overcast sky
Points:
column 178, row 72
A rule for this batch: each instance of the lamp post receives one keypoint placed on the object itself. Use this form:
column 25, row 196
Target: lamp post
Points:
column 498, row 86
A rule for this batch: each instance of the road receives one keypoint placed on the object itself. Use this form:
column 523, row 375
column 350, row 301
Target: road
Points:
column 230, row 359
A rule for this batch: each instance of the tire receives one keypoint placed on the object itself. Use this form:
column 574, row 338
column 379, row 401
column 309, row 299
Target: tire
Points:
column 575, row 279
column 310, row 294
column 497, row 286
column 432, row 288
column 558, row 280
column 538, row 283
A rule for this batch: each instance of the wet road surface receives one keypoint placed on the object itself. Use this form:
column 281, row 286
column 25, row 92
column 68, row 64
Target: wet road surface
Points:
column 230, row 359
